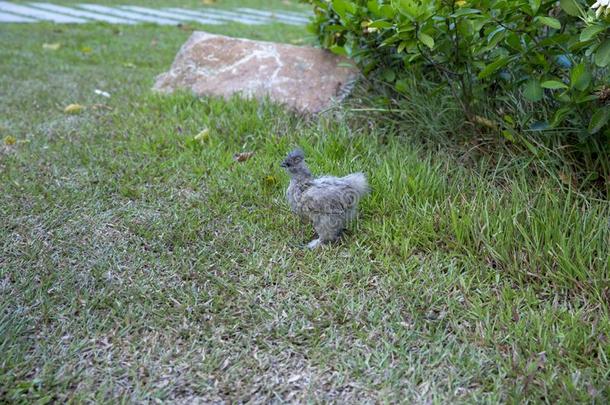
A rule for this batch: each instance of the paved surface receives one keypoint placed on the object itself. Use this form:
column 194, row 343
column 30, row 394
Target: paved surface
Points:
column 85, row 13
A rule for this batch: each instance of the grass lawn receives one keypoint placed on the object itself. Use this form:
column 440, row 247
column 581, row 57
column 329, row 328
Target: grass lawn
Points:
column 137, row 264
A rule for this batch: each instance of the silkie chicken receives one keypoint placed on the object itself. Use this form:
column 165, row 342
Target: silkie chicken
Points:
column 329, row 203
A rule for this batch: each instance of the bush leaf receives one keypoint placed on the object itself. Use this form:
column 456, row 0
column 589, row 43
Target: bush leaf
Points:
column 580, row 77
column 426, row 39
column 599, row 120
column 591, row 32
column 602, row 55
column 570, row 7
column 553, row 85
column 550, row 22
column 493, row 67
column 533, row 90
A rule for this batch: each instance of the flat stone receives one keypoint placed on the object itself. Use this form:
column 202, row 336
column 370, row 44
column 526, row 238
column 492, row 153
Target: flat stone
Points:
column 170, row 15
column 280, row 16
column 38, row 14
column 222, row 15
column 12, row 18
column 128, row 14
column 303, row 78
column 80, row 13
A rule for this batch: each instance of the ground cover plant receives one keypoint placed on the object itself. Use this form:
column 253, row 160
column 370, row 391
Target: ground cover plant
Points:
column 528, row 71
column 139, row 261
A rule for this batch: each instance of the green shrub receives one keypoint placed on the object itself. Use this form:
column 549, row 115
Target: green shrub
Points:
column 552, row 54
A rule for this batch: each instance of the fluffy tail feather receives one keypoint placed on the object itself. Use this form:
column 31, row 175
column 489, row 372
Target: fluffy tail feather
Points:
column 359, row 183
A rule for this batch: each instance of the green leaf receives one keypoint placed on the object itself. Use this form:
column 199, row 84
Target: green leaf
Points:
column 406, row 7
column 338, row 50
column 426, row 39
column 580, row 77
column 533, row 90
column 533, row 150
column 389, row 75
column 387, row 11
column 585, row 98
column 373, row 7
column 410, row 8
column 535, row 5
column 342, row 7
column 508, row 134
column 560, row 116
column 494, row 66
column 553, row 84
column 465, row 11
column 514, row 41
column 602, row 55
column 591, row 32
column 571, row 7
column 380, row 24
column 401, row 86
column 549, row 21
column 599, row 120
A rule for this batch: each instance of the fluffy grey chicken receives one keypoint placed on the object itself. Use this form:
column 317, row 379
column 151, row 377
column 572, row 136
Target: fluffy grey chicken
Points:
column 328, row 202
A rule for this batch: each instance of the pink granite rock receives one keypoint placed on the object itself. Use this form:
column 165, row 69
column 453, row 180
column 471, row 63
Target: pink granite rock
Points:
column 304, row 78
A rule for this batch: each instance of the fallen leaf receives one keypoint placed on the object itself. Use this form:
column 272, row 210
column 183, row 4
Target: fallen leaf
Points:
column 243, row 156
column 477, row 119
column 203, row 136
column 186, row 27
column 73, row 109
column 208, row 2
column 51, row 47
column 270, row 180
column 101, row 107
column 86, row 49
column 567, row 179
column 10, row 140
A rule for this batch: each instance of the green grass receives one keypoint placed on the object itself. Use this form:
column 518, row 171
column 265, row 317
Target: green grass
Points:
column 138, row 264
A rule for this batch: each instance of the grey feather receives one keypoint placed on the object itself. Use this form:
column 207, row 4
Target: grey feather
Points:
column 329, row 203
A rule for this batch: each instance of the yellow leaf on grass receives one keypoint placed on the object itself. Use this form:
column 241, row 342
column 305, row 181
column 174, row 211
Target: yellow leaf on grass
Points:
column 10, row 140
column 270, row 180
column 51, row 47
column 73, row 109
column 203, row 136
column 208, row 2
column 484, row 122
column 86, row 49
